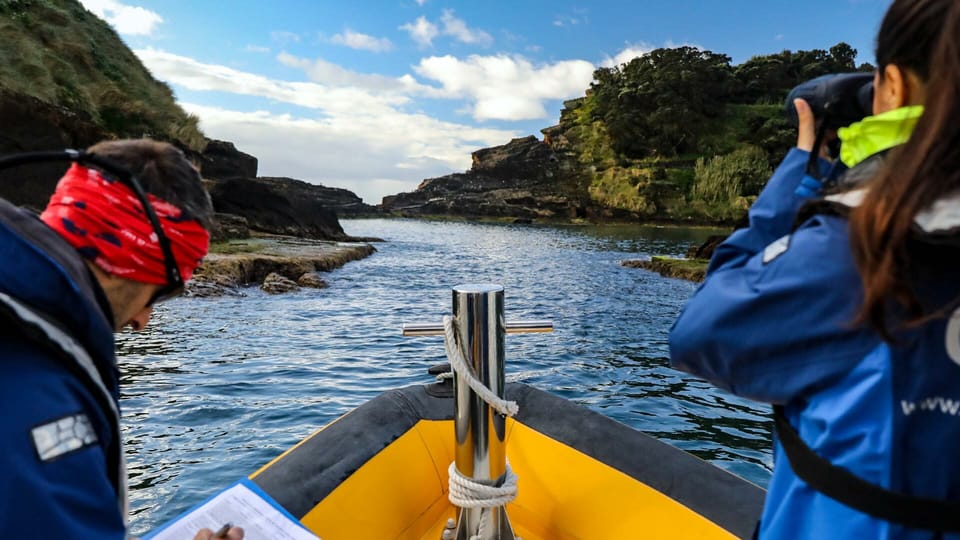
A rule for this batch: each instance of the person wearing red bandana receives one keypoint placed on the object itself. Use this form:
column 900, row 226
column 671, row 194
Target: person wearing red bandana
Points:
column 96, row 261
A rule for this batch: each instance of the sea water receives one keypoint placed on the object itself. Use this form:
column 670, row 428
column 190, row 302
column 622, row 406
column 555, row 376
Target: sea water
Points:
column 217, row 387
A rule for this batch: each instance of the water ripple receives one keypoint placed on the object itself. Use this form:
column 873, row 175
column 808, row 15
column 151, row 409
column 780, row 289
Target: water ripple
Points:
column 216, row 388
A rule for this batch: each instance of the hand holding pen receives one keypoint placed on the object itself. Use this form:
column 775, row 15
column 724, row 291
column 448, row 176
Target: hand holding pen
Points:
column 227, row 532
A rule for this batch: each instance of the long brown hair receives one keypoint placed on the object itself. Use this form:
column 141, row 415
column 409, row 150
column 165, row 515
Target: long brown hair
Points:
column 919, row 173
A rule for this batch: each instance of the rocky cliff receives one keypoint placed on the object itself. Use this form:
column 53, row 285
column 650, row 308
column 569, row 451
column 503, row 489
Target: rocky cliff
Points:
column 68, row 81
column 528, row 179
column 28, row 125
column 269, row 206
column 525, row 178
column 221, row 159
column 274, row 205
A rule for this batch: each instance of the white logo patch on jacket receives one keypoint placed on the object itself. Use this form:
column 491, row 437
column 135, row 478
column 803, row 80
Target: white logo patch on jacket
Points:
column 776, row 249
column 62, row 436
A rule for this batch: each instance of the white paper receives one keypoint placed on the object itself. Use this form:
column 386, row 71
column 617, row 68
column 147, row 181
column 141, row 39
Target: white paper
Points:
column 243, row 508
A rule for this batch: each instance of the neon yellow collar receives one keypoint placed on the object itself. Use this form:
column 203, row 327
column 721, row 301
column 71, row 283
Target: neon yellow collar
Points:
column 875, row 134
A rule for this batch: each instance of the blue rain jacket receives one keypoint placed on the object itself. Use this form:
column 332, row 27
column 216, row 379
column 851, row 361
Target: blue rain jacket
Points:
column 773, row 322
column 56, row 434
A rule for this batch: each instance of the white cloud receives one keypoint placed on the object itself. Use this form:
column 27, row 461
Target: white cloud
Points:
column 359, row 138
column 630, row 52
column 256, row 49
column 566, row 21
column 458, row 29
column 372, row 155
column 128, row 20
column 634, row 50
column 421, row 2
column 195, row 75
column 422, row 31
column 283, row 37
column 505, row 87
column 356, row 40
column 332, row 75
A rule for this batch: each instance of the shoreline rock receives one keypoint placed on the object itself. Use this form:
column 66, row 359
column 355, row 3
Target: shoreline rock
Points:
column 689, row 269
column 241, row 263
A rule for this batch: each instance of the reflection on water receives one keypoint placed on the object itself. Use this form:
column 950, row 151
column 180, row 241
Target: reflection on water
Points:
column 216, row 388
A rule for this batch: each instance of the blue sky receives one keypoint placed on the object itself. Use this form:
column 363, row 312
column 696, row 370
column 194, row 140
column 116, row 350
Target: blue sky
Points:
column 375, row 96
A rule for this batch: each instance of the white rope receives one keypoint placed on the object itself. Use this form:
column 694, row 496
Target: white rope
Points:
column 469, row 493
column 466, row 492
column 461, row 368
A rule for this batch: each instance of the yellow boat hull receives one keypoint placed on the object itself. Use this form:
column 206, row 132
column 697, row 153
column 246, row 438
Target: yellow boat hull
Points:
column 380, row 472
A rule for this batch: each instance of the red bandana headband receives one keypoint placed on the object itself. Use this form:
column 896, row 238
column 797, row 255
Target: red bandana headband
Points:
column 105, row 222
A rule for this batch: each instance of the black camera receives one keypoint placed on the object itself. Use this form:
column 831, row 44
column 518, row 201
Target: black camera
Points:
column 837, row 100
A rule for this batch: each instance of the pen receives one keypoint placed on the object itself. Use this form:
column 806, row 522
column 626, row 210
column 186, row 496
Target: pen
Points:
column 222, row 533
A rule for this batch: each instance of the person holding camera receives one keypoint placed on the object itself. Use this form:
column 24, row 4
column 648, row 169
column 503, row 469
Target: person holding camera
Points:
column 839, row 303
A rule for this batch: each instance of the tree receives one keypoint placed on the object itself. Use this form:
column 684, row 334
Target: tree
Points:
column 655, row 104
column 769, row 78
column 844, row 57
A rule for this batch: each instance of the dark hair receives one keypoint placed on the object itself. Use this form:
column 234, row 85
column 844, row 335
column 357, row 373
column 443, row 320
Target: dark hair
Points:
column 909, row 33
column 164, row 172
column 919, row 173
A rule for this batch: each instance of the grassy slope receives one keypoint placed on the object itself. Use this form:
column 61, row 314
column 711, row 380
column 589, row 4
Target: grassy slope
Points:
column 60, row 53
column 659, row 188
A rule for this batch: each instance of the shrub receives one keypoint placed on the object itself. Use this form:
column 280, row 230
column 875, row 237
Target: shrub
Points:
column 741, row 173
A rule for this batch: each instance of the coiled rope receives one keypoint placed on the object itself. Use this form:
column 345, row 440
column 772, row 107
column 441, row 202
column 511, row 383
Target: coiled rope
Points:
column 466, row 492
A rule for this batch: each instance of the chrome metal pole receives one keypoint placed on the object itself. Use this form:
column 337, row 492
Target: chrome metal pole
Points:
column 481, row 431
column 512, row 327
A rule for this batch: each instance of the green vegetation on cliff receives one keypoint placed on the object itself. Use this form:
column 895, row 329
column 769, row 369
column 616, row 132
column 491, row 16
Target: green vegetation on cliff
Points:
column 682, row 134
column 60, row 53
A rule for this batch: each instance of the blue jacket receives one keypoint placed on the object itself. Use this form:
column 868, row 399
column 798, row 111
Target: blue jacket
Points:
column 62, row 474
column 773, row 322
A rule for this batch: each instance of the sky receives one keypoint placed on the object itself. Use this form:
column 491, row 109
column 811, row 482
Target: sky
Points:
column 375, row 96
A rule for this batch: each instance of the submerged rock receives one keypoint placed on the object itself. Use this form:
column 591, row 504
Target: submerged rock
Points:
column 312, row 280
column 208, row 289
column 274, row 283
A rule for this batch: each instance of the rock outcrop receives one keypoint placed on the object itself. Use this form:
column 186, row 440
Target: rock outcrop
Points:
column 221, row 159
column 247, row 262
column 689, row 269
column 282, row 206
column 343, row 202
column 75, row 93
column 524, row 178
column 30, row 125
column 229, row 227
column 312, row 280
column 705, row 250
column 274, row 283
column 271, row 208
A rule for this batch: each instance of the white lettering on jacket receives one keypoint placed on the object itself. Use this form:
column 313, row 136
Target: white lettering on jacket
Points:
column 953, row 337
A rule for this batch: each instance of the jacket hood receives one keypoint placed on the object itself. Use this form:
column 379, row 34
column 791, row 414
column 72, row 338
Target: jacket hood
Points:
column 43, row 271
column 939, row 223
